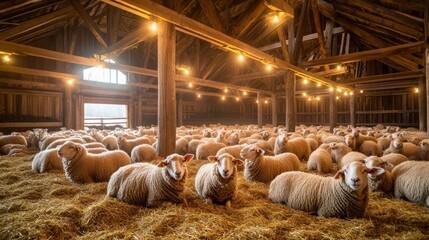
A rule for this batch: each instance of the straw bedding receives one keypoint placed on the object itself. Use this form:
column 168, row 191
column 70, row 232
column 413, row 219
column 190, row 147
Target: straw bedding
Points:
column 48, row 206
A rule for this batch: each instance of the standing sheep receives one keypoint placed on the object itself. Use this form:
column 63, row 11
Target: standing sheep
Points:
column 299, row 146
column 320, row 160
column 143, row 153
column 345, row 195
column 411, row 182
column 83, row 167
column 217, row 182
column 150, row 185
column 258, row 167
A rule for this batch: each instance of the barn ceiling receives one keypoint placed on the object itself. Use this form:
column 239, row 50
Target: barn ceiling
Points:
column 389, row 32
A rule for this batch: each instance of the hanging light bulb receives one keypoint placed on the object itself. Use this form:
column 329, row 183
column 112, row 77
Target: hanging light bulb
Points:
column 240, row 57
column 186, row 71
column 237, row 99
column 331, row 89
column 337, row 97
column 190, row 85
column 70, row 81
column 276, row 18
column 266, row 101
column 6, row 58
column 257, row 101
column 351, row 93
column 225, row 90
column 339, row 67
column 244, row 93
column 198, row 95
column 153, row 26
column 305, row 81
column 319, row 84
column 361, row 91
column 309, row 98
column 318, row 98
column 304, row 94
column 268, row 67
column 416, row 90
column 223, row 97
column 345, row 93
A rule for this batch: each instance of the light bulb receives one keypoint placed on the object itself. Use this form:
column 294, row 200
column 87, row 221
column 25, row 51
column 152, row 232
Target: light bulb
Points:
column 153, row 26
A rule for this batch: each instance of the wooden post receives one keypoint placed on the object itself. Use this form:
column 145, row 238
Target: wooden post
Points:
column 179, row 110
column 422, row 104
column 139, row 112
column 166, row 89
column 68, row 106
column 353, row 110
column 290, row 87
column 332, row 111
column 427, row 84
column 260, row 104
column 274, row 109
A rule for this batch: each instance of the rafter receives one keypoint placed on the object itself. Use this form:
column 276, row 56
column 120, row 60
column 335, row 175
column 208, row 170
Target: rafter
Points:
column 298, row 41
column 132, row 39
column 212, row 15
column 387, row 77
column 249, row 19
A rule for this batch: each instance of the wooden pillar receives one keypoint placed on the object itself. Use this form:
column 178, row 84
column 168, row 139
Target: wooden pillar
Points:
column 139, row 112
column 332, row 111
column 427, row 83
column 68, row 106
column 166, row 89
column 422, row 104
column 352, row 110
column 274, row 109
column 260, row 104
column 179, row 110
column 290, row 87
column 131, row 108
column 80, row 112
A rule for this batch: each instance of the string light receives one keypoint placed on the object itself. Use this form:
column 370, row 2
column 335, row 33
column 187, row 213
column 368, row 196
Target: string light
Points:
column 361, row 91
column 339, row 90
column 70, row 81
column 6, row 58
column 257, row 101
column 198, row 95
column 226, row 90
column 337, row 97
column 276, row 18
column 153, row 26
column 186, row 71
column 237, row 99
column 345, row 93
column 309, row 98
column 351, row 93
column 338, row 67
column 240, row 57
column 305, row 81
column 304, row 94
column 331, row 89
column 244, row 93
column 319, row 84
column 318, row 98
column 223, row 97
column 190, row 85
column 266, row 101
column 268, row 67
column 416, row 90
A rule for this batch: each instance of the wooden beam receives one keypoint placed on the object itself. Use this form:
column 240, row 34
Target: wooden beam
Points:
column 113, row 23
column 387, row 77
column 365, row 55
column 35, row 72
column 199, row 30
column 274, row 110
column 298, row 41
column 7, row 6
column 290, row 111
column 332, row 111
column 280, row 6
column 132, row 39
column 89, row 22
column 352, row 103
column 32, row 24
column 318, row 26
column 260, row 112
column 212, row 15
column 248, row 20
column 282, row 38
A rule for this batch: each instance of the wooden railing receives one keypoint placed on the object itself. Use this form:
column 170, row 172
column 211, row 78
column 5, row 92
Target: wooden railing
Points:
column 105, row 122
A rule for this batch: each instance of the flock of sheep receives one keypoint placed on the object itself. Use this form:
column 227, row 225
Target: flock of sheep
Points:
column 392, row 160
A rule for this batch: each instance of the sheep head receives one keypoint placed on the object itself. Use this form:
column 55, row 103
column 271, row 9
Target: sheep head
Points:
column 397, row 143
column 355, row 175
column 251, row 152
column 175, row 165
column 69, row 150
column 225, row 164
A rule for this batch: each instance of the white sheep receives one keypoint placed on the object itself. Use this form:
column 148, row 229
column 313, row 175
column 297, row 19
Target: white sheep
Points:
column 258, row 167
column 12, row 139
column 233, row 150
column 6, row 149
column 47, row 161
column 217, row 182
column 338, row 151
column 411, row 181
column 394, row 159
column 127, row 145
column 370, row 148
column 83, row 167
column 181, row 146
column 143, row 153
column 351, row 157
column 110, row 142
column 320, row 160
column 205, row 150
column 298, row 145
column 312, row 143
column 48, row 139
column 59, row 142
column 150, row 185
column 395, row 146
column 379, row 182
column 345, row 195
column 383, row 142
column 193, row 145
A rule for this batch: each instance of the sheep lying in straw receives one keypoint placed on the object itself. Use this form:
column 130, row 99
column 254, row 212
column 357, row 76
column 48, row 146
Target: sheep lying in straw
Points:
column 83, row 167
column 47, row 161
column 150, row 185
column 297, row 145
column 258, row 167
column 217, row 181
column 12, row 139
column 143, row 153
column 382, row 182
column 127, row 145
column 345, row 195
column 411, row 181
column 320, row 160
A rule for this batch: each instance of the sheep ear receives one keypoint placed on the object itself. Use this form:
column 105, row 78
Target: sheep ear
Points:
column 188, row 157
column 78, row 147
column 387, row 164
column 163, row 163
column 213, row 159
column 238, row 162
column 375, row 171
column 260, row 151
column 339, row 174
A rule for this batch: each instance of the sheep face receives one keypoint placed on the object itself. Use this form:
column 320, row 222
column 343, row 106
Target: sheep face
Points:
column 282, row 138
column 397, row 143
column 424, row 144
column 69, row 150
column 265, row 135
column 375, row 161
column 225, row 164
column 251, row 152
column 349, row 140
column 175, row 164
column 355, row 175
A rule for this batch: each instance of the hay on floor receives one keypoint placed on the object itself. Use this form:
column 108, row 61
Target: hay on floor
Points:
column 48, row 206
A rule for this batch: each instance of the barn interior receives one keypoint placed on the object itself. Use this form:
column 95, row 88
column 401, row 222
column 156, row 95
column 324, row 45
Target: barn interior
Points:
column 171, row 64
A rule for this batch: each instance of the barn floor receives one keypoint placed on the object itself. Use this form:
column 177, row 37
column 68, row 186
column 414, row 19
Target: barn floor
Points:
column 48, row 206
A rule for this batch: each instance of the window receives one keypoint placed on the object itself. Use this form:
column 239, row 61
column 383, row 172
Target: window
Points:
column 100, row 74
column 105, row 116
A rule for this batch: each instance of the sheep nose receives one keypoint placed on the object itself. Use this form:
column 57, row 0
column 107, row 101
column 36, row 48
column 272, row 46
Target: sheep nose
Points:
column 355, row 180
column 225, row 170
column 178, row 173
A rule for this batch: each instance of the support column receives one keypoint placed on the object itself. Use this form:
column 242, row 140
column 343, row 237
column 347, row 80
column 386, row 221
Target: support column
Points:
column 259, row 98
column 166, row 89
column 290, row 87
column 332, row 111
column 179, row 110
column 139, row 119
column 352, row 110
column 274, row 109
column 68, row 105
column 422, row 104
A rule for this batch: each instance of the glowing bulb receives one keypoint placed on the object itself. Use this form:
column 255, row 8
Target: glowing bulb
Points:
column 304, row 94
column 305, row 81
column 190, row 85
column 268, row 67
column 338, row 67
column 257, row 101
column 6, row 58
column 266, row 101
column 345, row 93
column 416, row 90
column 337, row 97
column 309, row 99
column 70, row 81
column 244, row 93
column 361, row 91
column 319, row 84
column 339, row 90
column 237, row 99
column 153, row 26
column 331, row 89
column 351, row 93
column 226, row 90
column 240, row 57
column 318, row 98
column 276, row 18
column 223, row 97
column 186, row 71
column 198, row 95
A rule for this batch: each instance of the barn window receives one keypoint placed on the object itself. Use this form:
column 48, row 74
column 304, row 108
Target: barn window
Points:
column 100, row 74
column 105, row 116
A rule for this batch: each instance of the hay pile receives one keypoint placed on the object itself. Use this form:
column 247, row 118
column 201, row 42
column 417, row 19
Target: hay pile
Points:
column 48, row 206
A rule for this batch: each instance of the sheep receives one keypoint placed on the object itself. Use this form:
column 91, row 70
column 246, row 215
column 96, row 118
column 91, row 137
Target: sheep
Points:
column 344, row 196
column 351, row 157
column 58, row 142
column 370, row 148
column 143, row 153
column 411, row 151
column 411, row 182
column 47, row 161
column 127, row 145
column 182, row 146
column 150, row 185
column 110, row 142
column 233, row 150
column 83, row 167
column 193, row 145
column 320, row 160
column 96, row 150
column 338, row 151
column 383, row 142
column 258, row 167
column 93, row 145
column 266, row 146
column 395, row 146
column 359, row 138
column 424, row 150
column 394, row 159
column 207, row 149
column 217, row 182
column 382, row 182
column 312, row 143
column 12, row 139
column 298, row 146
column 44, row 142
column 6, row 149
